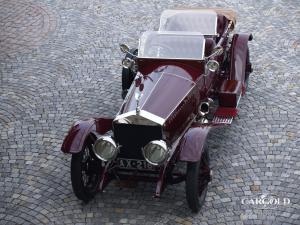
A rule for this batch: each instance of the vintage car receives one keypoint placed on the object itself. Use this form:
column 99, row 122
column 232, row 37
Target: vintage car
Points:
column 182, row 81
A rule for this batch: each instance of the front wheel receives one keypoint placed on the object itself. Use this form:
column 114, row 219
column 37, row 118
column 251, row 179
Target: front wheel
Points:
column 85, row 172
column 197, row 178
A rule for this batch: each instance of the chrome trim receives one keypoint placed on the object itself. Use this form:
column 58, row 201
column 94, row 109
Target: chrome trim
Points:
column 203, row 120
column 203, row 52
column 144, row 114
column 238, row 101
column 152, row 117
column 138, row 96
column 216, row 24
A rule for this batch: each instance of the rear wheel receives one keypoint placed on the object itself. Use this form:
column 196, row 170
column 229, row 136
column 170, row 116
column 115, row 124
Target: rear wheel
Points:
column 197, row 178
column 85, row 172
column 248, row 68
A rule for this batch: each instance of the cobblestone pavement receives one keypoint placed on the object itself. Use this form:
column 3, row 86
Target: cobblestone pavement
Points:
column 60, row 61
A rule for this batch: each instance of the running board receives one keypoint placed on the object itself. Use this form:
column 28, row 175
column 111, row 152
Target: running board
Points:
column 222, row 120
column 224, row 115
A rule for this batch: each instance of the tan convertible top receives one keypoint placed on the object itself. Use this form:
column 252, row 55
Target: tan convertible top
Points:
column 228, row 13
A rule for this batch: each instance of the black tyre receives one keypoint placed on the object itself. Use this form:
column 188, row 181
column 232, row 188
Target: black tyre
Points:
column 127, row 74
column 197, row 178
column 248, row 68
column 85, row 172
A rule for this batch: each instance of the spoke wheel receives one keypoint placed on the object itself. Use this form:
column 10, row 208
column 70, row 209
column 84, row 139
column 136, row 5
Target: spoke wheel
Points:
column 85, row 172
column 197, row 179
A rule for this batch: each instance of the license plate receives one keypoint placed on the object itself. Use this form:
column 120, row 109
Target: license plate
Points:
column 134, row 164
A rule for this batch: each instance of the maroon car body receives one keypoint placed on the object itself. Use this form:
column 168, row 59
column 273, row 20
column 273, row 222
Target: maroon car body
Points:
column 174, row 101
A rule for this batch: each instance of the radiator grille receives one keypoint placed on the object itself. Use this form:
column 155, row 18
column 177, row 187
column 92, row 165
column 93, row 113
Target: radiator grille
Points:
column 133, row 137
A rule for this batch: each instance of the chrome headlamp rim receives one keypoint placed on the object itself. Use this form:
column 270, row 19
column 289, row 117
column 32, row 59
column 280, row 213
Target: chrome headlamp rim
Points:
column 160, row 143
column 127, row 63
column 110, row 141
column 212, row 65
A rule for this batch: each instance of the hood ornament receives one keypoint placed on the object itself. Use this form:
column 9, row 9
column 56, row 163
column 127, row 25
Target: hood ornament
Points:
column 139, row 83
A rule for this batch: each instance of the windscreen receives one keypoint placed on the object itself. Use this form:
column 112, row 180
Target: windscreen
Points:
column 204, row 21
column 171, row 45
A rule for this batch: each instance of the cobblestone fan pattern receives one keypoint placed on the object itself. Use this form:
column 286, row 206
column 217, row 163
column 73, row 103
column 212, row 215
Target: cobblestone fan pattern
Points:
column 60, row 61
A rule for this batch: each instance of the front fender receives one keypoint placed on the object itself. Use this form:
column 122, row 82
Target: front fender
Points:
column 80, row 130
column 193, row 142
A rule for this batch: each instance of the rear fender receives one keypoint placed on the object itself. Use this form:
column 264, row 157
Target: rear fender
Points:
column 80, row 130
column 193, row 143
column 239, row 48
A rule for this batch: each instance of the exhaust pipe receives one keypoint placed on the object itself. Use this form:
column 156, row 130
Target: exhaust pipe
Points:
column 204, row 107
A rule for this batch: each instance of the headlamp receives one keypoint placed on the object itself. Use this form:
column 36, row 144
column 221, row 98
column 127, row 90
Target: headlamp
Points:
column 105, row 148
column 156, row 152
